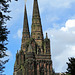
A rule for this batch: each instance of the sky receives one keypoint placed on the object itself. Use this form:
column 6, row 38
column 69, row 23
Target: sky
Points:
column 58, row 20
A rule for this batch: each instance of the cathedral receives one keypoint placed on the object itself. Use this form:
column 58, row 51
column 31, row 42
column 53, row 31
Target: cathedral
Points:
column 34, row 58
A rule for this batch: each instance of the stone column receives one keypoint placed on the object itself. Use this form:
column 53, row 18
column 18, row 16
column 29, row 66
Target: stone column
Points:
column 26, row 71
column 32, row 69
column 40, row 67
column 44, row 68
column 51, row 68
column 22, row 59
column 47, row 69
column 29, row 72
column 38, row 73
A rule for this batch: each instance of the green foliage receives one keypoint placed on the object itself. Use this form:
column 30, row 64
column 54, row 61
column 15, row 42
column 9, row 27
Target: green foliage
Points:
column 3, row 32
column 4, row 5
column 71, row 66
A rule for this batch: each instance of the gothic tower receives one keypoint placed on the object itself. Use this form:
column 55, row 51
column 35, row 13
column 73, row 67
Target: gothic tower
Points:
column 34, row 58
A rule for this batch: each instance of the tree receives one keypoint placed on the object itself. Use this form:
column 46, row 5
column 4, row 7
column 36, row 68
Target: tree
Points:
column 4, row 5
column 3, row 32
column 71, row 66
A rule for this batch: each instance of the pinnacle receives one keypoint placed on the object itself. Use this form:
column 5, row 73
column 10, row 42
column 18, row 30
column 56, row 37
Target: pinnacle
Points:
column 46, row 36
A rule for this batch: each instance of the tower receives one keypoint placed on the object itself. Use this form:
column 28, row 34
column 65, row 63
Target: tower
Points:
column 34, row 58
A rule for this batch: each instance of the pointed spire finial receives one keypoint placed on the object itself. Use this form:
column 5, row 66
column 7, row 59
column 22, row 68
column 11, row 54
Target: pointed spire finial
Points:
column 46, row 35
column 25, row 11
column 25, row 2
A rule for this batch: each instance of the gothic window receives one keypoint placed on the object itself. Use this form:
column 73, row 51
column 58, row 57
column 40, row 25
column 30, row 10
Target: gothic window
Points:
column 46, row 51
column 34, row 21
column 34, row 27
column 39, row 51
column 38, row 28
column 23, row 32
column 38, row 21
column 33, row 36
column 21, row 71
column 37, row 16
column 23, row 46
column 36, row 11
column 24, row 37
column 15, row 73
column 38, row 33
column 33, row 33
column 38, row 37
column 17, row 61
column 24, row 57
column 25, row 29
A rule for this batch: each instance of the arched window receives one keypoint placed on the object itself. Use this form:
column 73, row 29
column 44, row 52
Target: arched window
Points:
column 38, row 37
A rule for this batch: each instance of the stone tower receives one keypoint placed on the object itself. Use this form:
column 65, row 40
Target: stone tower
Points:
column 34, row 58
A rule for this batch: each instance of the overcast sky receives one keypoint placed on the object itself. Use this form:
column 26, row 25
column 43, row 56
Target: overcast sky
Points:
column 58, row 20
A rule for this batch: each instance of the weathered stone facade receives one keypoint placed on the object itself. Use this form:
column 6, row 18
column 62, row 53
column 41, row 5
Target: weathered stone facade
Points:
column 34, row 58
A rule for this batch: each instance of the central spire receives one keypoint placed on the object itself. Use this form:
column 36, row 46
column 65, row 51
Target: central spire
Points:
column 36, row 31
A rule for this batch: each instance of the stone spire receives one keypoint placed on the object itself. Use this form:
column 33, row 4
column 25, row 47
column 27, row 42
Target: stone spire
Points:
column 36, row 31
column 26, row 33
